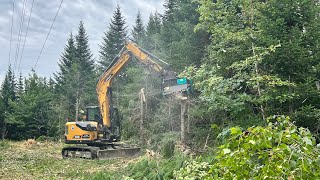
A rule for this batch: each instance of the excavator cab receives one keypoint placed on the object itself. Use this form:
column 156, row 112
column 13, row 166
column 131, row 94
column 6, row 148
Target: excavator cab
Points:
column 93, row 114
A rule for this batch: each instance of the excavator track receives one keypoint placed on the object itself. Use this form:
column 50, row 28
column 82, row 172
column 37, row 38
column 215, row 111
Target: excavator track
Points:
column 92, row 152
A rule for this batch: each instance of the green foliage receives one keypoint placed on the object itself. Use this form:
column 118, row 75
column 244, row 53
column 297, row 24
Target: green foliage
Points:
column 193, row 170
column 280, row 150
column 31, row 114
column 308, row 116
column 168, row 149
column 4, row 144
column 8, row 94
column 75, row 80
column 138, row 32
column 114, row 38
column 155, row 169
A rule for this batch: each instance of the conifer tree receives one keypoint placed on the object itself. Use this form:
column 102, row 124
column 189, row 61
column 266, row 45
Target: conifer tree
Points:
column 67, row 59
column 20, row 85
column 83, row 52
column 86, row 76
column 138, row 32
column 170, row 11
column 153, row 28
column 8, row 94
column 75, row 81
column 31, row 113
column 114, row 38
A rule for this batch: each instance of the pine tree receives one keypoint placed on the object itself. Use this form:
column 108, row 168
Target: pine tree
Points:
column 62, row 77
column 113, row 39
column 83, row 52
column 31, row 114
column 87, row 77
column 75, row 81
column 153, row 29
column 138, row 32
column 170, row 11
column 170, row 31
column 8, row 94
column 67, row 59
column 20, row 86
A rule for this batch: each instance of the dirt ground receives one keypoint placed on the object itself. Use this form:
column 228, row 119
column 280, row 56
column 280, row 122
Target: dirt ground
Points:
column 42, row 160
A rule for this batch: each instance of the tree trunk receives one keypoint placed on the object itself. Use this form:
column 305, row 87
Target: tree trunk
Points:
column 256, row 68
column 4, row 129
column 77, row 106
column 170, row 116
column 182, row 122
column 290, row 100
column 142, row 100
column 188, row 117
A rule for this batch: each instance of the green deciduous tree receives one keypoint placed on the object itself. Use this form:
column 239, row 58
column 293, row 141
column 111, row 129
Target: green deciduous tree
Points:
column 235, row 78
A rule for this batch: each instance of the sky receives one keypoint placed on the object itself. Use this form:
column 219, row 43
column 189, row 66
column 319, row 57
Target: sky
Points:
column 96, row 15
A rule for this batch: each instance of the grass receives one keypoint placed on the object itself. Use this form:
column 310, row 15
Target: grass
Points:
column 19, row 160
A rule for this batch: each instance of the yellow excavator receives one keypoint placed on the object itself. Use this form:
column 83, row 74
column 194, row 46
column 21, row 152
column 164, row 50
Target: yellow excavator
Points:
column 100, row 131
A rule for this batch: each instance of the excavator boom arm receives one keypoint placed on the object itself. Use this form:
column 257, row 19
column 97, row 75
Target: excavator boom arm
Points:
column 103, row 87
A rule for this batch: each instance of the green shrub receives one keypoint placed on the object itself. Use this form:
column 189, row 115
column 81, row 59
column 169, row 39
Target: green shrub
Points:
column 193, row 170
column 4, row 144
column 155, row 169
column 278, row 151
column 168, row 149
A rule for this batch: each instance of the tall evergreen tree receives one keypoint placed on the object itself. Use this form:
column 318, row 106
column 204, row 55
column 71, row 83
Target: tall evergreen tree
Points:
column 114, row 38
column 20, row 85
column 83, row 52
column 8, row 94
column 87, row 77
column 75, row 81
column 138, row 32
column 31, row 114
column 170, row 11
column 8, row 89
column 170, row 31
column 67, row 58
column 152, row 42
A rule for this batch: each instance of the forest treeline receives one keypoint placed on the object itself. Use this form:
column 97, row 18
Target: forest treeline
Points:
column 252, row 63
column 248, row 59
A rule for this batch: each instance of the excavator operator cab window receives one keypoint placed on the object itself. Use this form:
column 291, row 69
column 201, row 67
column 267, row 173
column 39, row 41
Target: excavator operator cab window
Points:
column 93, row 114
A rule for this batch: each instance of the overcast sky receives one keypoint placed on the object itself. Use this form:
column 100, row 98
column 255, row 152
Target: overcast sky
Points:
column 96, row 15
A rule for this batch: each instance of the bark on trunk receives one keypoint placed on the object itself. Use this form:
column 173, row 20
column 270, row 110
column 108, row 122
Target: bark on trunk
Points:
column 142, row 100
column 182, row 122
column 4, row 131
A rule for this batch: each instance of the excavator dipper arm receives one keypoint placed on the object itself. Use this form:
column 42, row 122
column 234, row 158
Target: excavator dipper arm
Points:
column 103, row 88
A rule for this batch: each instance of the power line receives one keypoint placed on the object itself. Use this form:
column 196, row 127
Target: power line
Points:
column 47, row 35
column 25, row 37
column 11, row 33
column 20, row 33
